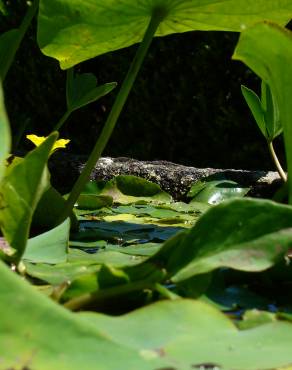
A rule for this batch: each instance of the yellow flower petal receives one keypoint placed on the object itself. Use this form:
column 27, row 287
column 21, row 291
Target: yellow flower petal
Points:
column 36, row 140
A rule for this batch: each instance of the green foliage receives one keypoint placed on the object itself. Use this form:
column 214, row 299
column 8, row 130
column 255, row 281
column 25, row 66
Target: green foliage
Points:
column 127, row 20
column 49, row 247
column 80, row 91
column 21, row 189
column 265, row 111
column 267, row 49
column 168, row 339
column 131, row 244
column 10, row 40
column 215, row 189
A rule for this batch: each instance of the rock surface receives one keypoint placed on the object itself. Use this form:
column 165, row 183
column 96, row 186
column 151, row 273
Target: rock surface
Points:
column 174, row 178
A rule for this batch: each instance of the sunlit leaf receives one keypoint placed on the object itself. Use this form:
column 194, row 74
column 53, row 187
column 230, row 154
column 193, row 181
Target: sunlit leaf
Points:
column 74, row 31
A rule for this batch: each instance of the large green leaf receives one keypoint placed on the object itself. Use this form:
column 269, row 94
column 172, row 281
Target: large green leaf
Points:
column 37, row 333
column 5, row 139
column 74, row 31
column 20, row 192
column 244, row 234
column 267, row 49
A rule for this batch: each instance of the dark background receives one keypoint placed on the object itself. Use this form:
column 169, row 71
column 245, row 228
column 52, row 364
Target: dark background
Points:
column 186, row 105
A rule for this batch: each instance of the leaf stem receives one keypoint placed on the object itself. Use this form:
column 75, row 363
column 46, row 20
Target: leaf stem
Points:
column 166, row 293
column 62, row 120
column 119, row 103
column 277, row 162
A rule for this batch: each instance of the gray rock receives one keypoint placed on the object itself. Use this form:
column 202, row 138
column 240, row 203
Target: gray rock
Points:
column 174, row 178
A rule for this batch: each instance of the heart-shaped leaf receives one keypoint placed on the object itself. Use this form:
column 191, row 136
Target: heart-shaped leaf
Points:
column 74, row 31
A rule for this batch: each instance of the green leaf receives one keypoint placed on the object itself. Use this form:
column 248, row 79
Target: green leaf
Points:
column 50, row 247
column 271, row 111
column 127, row 189
column 82, row 90
column 215, row 189
column 5, row 138
column 244, row 234
column 110, row 257
column 267, row 49
column 92, row 201
column 48, row 209
column 179, row 334
column 9, row 43
column 74, row 31
column 255, row 318
column 62, row 272
column 255, row 105
column 20, row 192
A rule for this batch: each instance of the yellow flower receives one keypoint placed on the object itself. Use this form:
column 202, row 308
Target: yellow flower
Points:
column 38, row 140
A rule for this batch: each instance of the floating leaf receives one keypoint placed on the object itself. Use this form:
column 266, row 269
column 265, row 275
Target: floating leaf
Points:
column 127, row 189
column 215, row 189
column 62, row 272
column 76, row 31
column 92, row 201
